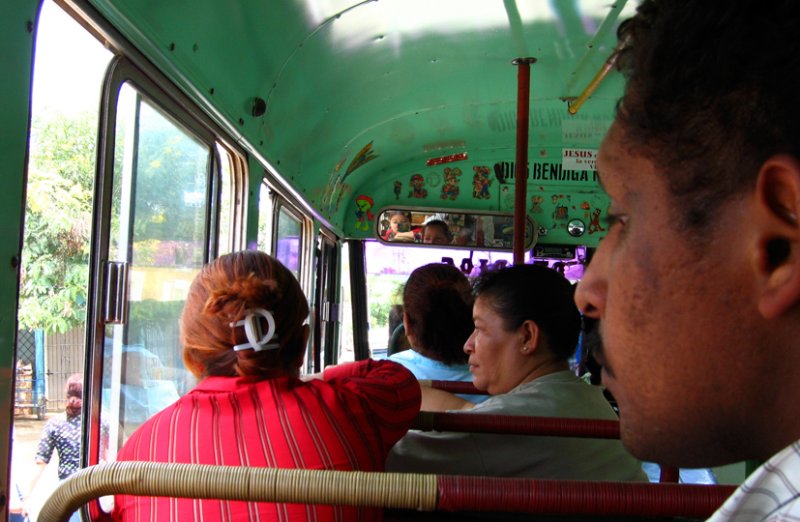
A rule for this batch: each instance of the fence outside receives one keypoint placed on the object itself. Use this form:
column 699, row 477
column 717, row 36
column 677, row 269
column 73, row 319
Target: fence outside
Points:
column 63, row 355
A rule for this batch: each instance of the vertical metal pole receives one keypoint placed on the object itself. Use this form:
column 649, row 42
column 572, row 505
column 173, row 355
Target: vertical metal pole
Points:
column 521, row 169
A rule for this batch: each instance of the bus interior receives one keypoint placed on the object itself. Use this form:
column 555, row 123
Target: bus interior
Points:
column 298, row 128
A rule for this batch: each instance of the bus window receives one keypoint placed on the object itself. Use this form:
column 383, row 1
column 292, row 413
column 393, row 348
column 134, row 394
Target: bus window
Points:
column 51, row 335
column 232, row 204
column 346, row 334
column 289, row 240
column 325, row 304
column 388, row 267
column 158, row 228
column 264, row 218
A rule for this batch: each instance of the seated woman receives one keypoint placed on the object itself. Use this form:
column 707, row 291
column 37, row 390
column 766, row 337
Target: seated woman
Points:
column 244, row 336
column 526, row 328
column 437, row 315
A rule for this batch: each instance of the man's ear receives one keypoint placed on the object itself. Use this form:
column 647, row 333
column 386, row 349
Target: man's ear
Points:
column 778, row 246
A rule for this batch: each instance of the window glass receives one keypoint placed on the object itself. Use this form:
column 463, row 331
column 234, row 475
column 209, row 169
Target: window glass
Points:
column 227, row 206
column 68, row 73
column 346, row 344
column 288, row 240
column 264, row 219
column 159, row 213
column 388, row 268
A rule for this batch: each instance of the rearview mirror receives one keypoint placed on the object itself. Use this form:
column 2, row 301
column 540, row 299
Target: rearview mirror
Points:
column 462, row 229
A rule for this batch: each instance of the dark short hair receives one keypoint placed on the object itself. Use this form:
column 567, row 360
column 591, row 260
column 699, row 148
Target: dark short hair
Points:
column 438, row 223
column 437, row 300
column 708, row 98
column 530, row 292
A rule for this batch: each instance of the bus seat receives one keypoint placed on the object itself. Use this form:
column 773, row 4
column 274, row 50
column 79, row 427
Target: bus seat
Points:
column 409, row 491
column 520, row 425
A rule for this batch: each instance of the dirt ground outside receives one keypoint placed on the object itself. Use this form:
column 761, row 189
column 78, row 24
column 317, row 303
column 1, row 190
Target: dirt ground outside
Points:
column 27, row 430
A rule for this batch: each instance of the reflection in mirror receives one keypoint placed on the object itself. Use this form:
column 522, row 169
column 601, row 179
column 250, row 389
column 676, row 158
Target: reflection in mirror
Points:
column 486, row 230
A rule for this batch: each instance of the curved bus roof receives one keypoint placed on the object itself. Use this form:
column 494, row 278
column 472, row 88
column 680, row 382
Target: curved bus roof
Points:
column 354, row 98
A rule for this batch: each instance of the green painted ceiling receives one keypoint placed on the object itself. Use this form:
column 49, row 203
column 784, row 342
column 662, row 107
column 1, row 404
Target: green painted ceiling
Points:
column 415, row 78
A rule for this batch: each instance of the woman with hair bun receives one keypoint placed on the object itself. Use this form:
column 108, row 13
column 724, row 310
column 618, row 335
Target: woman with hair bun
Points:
column 244, row 336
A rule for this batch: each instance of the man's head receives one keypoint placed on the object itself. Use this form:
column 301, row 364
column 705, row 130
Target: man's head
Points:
column 697, row 282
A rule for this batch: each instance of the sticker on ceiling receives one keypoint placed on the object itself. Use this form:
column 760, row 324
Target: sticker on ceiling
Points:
column 451, row 179
column 480, row 182
column 364, row 214
column 418, row 189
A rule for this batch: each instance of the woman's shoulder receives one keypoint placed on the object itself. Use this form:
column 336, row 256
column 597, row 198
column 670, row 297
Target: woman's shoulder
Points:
column 560, row 394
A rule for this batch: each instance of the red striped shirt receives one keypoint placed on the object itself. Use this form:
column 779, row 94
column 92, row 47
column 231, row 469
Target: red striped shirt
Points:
column 349, row 421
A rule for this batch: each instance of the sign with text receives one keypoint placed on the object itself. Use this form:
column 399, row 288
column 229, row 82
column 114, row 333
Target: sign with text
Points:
column 579, row 159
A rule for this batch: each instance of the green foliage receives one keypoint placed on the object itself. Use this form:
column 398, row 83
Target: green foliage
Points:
column 58, row 217
column 383, row 291
column 152, row 310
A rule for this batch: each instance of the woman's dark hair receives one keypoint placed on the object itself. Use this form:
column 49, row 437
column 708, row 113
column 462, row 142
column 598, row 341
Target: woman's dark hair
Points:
column 542, row 295
column 74, row 394
column 438, row 303
column 705, row 99
column 220, row 295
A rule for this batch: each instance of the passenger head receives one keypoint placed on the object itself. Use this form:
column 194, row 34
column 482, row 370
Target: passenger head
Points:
column 526, row 325
column 437, row 302
column 697, row 282
column 74, row 394
column 399, row 221
column 436, row 232
column 234, row 288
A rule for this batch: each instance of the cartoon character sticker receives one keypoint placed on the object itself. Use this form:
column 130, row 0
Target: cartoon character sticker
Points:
column 594, row 222
column 536, row 204
column 561, row 213
column 480, row 182
column 398, row 188
column 507, row 197
column 363, row 214
column 418, row 189
column 451, row 179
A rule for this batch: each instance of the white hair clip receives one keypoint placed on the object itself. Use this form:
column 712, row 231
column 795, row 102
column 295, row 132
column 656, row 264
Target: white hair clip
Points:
column 256, row 339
